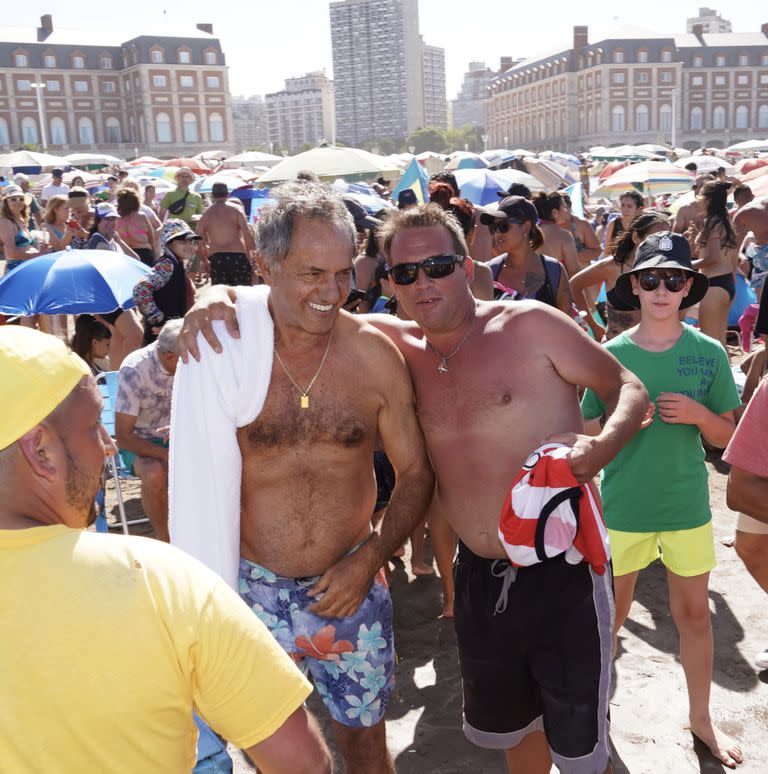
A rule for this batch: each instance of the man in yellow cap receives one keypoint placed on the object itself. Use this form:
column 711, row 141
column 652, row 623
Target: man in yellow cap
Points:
column 109, row 642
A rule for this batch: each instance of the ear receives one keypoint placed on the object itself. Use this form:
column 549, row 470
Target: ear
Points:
column 39, row 448
column 633, row 280
column 469, row 268
column 265, row 269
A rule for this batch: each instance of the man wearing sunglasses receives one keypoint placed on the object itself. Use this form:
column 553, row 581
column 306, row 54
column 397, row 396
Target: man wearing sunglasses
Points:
column 655, row 492
column 493, row 381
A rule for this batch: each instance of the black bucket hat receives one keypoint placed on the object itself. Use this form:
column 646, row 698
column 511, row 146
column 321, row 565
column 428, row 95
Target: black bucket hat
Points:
column 663, row 250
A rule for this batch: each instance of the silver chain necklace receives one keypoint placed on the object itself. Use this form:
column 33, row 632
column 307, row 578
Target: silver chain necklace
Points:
column 442, row 367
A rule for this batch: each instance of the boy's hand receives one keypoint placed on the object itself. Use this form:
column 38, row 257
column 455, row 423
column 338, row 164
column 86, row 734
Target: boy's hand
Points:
column 677, row 409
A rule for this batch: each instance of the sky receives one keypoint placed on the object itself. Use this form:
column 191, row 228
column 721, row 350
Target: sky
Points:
column 267, row 41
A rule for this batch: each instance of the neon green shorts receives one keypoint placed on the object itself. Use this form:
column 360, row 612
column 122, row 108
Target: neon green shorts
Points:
column 685, row 552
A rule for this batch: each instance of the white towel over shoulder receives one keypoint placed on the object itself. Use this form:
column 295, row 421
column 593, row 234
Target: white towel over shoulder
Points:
column 211, row 399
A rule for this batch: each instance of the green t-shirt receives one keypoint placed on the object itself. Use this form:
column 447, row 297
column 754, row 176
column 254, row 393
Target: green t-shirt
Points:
column 658, row 481
column 193, row 205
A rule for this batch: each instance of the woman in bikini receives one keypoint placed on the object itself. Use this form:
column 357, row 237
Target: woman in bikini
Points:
column 717, row 257
column 134, row 226
column 558, row 242
column 630, row 205
column 56, row 217
column 15, row 237
column 621, row 316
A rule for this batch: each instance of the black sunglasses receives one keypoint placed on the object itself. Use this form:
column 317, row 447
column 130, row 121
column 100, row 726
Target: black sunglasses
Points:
column 435, row 267
column 674, row 281
column 502, row 226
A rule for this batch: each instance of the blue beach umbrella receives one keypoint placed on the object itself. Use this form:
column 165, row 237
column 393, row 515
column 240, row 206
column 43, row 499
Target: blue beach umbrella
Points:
column 482, row 186
column 71, row 282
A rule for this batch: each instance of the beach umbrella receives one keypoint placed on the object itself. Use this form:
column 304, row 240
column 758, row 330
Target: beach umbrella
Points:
column 551, row 174
column 748, row 146
column 226, row 176
column 164, row 173
column 431, row 161
column 745, row 166
column 754, row 174
column 466, row 160
column 364, row 195
column 651, row 178
column 252, row 159
column 71, row 282
column 482, row 186
column 93, row 160
column 759, row 185
column 658, row 150
column 329, row 162
column 198, row 167
column 144, row 161
column 32, row 163
column 623, row 153
column 211, row 155
column 707, row 164
column 611, row 168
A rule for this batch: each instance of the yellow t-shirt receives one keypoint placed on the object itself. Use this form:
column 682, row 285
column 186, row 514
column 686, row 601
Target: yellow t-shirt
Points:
column 106, row 644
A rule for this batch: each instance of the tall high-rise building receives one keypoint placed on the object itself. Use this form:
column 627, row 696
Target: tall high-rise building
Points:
column 469, row 105
column 435, row 106
column 249, row 117
column 378, row 69
column 302, row 113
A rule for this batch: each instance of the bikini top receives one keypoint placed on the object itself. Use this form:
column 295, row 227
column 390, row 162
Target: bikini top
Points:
column 547, row 293
column 579, row 244
column 22, row 238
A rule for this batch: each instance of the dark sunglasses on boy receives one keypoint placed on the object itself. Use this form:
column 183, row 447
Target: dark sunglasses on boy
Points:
column 435, row 267
column 674, row 281
column 502, row 226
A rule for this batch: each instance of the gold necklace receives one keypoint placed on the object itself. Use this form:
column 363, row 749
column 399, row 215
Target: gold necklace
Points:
column 442, row 367
column 304, row 399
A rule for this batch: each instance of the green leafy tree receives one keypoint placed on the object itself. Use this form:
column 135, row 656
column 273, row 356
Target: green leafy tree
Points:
column 429, row 138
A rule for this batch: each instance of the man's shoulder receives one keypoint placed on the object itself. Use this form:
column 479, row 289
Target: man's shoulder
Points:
column 138, row 359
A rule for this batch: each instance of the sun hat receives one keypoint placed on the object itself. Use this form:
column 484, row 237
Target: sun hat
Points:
column 184, row 171
column 104, row 210
column 15, row 190
column 515, row 207
column 176, row 229
column 663, row 250
column 37, row 371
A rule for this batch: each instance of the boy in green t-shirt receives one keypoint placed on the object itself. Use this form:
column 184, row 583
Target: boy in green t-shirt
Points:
column 655, row 494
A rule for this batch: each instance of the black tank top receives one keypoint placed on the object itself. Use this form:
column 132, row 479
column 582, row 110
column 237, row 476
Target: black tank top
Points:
column 171, row 299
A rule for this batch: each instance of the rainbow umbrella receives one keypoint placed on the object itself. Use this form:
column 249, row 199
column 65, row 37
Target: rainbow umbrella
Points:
column 651, row 178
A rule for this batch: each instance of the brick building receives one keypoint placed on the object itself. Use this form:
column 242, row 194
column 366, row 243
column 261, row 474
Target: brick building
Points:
column 157, row 95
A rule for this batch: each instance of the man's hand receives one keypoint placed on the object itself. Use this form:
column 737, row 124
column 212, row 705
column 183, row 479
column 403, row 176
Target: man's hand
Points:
column 344, row 585
column 584, row 457
column 217, row 303
column 677, row 409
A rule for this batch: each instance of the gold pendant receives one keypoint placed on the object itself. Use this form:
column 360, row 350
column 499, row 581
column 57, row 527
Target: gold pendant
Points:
column 304, row 401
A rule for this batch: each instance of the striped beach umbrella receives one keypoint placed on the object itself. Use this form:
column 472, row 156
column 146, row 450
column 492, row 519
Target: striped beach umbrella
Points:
column 650, row 178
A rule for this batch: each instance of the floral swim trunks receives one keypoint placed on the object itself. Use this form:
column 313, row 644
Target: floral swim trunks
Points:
column 350, row 660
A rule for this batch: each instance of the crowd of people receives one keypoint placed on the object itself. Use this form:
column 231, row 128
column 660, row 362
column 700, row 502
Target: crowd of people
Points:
column 347, row 382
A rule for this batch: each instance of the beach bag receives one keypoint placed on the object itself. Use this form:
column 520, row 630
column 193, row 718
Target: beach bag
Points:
column 547, row 513
column 178, row 206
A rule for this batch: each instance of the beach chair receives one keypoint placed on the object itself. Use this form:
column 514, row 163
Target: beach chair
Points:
column 107, row 382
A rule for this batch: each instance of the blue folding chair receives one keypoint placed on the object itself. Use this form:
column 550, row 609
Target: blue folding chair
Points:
column 107, row 382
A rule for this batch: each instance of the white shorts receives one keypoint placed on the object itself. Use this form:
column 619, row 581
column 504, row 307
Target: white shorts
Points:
column 746, row 523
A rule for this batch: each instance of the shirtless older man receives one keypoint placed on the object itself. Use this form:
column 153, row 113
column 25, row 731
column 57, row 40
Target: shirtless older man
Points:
column 493, row 380
column 311, row 565
column 227, row 239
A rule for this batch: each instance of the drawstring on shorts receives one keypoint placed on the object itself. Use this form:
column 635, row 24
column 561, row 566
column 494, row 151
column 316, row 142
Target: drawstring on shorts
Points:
column 508, row 575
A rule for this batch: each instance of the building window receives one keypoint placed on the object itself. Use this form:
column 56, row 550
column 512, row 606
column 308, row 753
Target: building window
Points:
column 743, row 60
column 617, row 118
column 29, row 135
column 618, row 57
column 666, row 56
column 742, row 80
column 49, row 60
column 113, row 130
column 159, row 81
column 720, row 61
column 212, row 82
column 762, row 117
column 186, row 82
column 52, row 86
column 189, row 126
column 21, row 60
column 210, row 57
column 4, row 138
column 58, row 132
column 641, row 118
column 81, row 86
column 742, row 117
column 763, row 79
column 642, row 56
column 109, row 87
column 216, row 127
column 697, row 80
column 697, row 118
column 127, row 84
column 156, row 56
column 85, row 131
column 718, row 117
column 184, row 57
column 163, row 128
column 23, row 85
column 617, row 77
column 665, row 118
column 665, row 76
column 719, row 80
column 642, row 77
column 78, row 62
column 698, row 61
column 105, row 63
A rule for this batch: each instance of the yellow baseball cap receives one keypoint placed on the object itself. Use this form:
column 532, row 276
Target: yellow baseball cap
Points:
column 37, row 371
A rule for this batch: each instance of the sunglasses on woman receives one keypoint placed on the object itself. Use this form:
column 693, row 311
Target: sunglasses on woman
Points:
column 15, row 198
column 435, row 267
column 502, row 226
column 674, row 281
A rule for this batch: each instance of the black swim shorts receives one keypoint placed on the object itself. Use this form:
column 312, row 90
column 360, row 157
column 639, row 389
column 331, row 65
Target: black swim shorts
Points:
column 535, row 648
column 230, row 269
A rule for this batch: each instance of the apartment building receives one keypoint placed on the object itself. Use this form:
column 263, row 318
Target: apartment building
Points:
column 303, row 113
column 691, row 90
column 469, row 105
column 435, row 104
column 249, row 121
column 72, row 91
